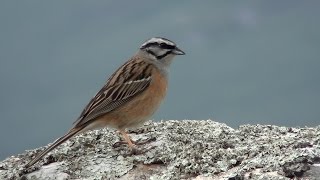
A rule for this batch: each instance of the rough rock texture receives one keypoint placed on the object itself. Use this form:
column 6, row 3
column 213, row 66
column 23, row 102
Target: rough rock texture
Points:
column 187, row 149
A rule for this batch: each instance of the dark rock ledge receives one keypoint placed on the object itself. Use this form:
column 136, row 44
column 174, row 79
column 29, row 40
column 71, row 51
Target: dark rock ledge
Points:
column 187, row 149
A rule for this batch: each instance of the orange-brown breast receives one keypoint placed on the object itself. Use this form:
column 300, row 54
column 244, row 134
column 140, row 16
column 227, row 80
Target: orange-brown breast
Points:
column 141, row 107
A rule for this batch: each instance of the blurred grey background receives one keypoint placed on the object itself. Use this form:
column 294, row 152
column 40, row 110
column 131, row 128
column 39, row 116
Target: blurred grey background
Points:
column 246, row 62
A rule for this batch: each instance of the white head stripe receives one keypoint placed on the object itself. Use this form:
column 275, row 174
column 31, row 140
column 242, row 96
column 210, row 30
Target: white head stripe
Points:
column 158, row 40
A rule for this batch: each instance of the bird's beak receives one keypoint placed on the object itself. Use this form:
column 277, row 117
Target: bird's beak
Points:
column 177, row 51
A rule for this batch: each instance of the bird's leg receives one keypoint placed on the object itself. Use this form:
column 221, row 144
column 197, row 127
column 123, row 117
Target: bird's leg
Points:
column 128, row 141
column 127, row 138
column 131, row 144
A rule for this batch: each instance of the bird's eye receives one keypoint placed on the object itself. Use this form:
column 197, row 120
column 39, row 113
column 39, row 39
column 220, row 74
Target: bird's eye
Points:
column 165, row 46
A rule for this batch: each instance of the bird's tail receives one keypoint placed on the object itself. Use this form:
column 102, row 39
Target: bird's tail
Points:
column 59, row 141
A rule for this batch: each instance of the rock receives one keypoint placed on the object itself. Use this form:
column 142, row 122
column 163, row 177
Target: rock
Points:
column 187, row 149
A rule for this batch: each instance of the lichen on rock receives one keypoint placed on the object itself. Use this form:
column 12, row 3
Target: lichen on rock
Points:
column 186, row 149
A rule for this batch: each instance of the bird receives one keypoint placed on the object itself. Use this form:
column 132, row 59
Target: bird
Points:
column 130, row 96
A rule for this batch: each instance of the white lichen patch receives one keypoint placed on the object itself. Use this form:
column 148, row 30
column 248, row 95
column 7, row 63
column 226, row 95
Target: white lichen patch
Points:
column 46, row 172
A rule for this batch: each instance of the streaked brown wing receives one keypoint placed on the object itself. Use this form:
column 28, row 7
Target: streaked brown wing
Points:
column 118, row 90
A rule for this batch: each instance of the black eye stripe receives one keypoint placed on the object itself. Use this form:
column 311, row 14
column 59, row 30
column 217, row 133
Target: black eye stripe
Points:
column 166, row 46
column 162, row 45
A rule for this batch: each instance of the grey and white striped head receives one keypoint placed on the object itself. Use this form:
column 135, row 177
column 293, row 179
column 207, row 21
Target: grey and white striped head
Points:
column 161, row 49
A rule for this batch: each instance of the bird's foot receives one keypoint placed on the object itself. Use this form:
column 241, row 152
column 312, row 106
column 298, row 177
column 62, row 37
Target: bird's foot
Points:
column 136, row 143
column 133, row 148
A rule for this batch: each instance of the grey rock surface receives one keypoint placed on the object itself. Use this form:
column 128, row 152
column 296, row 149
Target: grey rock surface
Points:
column 187, row 149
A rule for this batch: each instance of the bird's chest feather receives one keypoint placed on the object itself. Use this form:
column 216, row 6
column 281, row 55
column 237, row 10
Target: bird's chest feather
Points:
column 142, row 107
column 151, row 98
